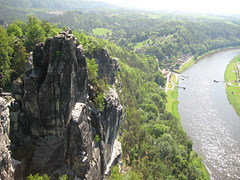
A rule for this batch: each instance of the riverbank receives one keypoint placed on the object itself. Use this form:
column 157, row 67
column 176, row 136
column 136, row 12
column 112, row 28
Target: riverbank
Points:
column 232, row 82
column 172, row 107
column 188, row 64
column 206, row 113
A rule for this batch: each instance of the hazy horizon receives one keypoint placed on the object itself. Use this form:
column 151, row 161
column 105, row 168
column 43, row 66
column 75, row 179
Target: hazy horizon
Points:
column 203, row 6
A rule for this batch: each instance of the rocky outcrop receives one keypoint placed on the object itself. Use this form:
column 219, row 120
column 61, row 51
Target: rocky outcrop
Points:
column 55, row 128
column 107, row 66
column 6, row 168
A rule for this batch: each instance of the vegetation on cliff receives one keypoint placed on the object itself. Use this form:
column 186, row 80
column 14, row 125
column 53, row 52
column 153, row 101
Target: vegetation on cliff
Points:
column 154, row 143
column 19, row 39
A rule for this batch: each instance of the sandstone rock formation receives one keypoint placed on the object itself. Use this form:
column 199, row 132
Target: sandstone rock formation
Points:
column 6, row 168
column 55, row 128
column 107, row 66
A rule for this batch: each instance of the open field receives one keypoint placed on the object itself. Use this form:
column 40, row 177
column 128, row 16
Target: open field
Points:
column 233, row 88
column 101, row 31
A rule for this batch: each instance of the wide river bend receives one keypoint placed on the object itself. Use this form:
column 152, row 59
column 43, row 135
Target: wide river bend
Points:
column 208, row 118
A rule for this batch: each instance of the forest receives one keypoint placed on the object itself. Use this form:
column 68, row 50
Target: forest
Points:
column 167, row 37
column 154, row 143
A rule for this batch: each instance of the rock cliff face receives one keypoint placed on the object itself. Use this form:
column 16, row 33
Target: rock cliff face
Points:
column 6, row 168
column 55, row 129
column 107, row 67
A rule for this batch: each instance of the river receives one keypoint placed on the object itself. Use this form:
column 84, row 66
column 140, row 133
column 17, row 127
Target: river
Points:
column 208, row 118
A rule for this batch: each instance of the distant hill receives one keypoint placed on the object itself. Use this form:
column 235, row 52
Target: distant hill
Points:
column 11, row 10
column 56, row 4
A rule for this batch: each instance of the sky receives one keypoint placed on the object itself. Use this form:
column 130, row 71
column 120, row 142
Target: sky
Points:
column 198, row 6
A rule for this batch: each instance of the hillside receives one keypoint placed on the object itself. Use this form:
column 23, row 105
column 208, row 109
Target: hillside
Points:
column 14, row 9
column 168, row 37
column 55, row 4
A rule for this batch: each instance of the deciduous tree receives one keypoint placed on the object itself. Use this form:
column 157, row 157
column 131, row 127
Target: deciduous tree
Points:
column 5, row 56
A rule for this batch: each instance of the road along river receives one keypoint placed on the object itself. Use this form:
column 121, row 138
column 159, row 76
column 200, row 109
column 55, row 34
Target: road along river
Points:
column 208, row 118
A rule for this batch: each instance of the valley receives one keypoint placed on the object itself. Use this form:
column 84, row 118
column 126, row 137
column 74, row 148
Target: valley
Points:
column 99, row 77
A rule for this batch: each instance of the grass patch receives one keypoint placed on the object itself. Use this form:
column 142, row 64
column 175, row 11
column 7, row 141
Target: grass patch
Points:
column 170, row 85
column 172, row 95
column 233, row 94
column 230, row 74
column 233, row 91
column 174, row 78
column 142, row 44
column 102, row 31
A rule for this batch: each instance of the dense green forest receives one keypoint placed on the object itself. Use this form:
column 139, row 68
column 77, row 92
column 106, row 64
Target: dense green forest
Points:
column 154, row 143
column 164, row 36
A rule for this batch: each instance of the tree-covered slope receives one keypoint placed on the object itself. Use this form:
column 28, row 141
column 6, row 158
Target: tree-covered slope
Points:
column 154, row 143
column 167, row 37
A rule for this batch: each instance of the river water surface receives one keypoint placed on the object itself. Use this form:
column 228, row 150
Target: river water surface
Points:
column 208, row 118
